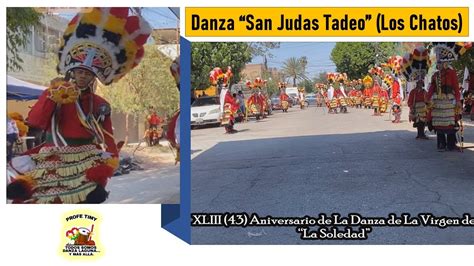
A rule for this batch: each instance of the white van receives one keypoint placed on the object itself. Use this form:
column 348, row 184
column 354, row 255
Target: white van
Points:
column 293, row 93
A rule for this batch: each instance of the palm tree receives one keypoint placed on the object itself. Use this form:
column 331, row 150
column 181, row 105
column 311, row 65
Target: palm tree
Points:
column 295, row 68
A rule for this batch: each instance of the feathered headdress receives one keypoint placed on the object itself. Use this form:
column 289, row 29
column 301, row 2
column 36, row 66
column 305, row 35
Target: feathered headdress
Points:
column 216, row 76
column 331, row 77
column 342, row 77
column 106, row 41
column 320, row 86
column 368, row 81
column 388, row 80
column 415, row 66
column 376, row 71
column 450, row 51
column 258, row 83
column 281, row 85
column 394, row 64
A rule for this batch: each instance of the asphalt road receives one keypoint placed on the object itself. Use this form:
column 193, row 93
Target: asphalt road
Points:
column 307, row 162
column 158, row 183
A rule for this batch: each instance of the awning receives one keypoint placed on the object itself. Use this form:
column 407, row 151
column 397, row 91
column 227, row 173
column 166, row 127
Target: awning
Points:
column 22, row 90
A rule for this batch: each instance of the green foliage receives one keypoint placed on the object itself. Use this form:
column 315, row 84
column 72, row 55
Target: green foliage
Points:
column 272, row 84
column 149, row 84
column 295, row 68
column 205, row 56
column 355, row 58
column 308, row 85
column 263, row 48
column 19, row 23
column 320, row 78
column 466, row 60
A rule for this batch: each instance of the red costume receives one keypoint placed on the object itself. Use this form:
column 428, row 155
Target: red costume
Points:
column 72, row 167
column 444, row 96
column 367, row 97
column 376, row 94
column 284, row 97
column 154, row 119
column 417, row 105
column 443, row 93
column 395, row 89
column 397, row 100
column 231, row 103
column 415, row 67
column 256, row 102
column 70, row 125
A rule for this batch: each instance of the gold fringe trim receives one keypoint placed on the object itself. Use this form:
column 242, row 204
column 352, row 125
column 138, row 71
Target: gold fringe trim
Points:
column 77, row 197
column 72, row 182
column 75, row 169
column 67, row 157
column 71, row 197
column 63, row 169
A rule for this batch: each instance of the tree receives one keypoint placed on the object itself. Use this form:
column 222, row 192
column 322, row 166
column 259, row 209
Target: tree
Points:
column 149, row 84
column 295, row 68
column 307, row 84
column 355, row 58
column 263, row 48
column 466, row 60
column 20, row 21
column 207, row 55
column 320, row 78
column 272, row 84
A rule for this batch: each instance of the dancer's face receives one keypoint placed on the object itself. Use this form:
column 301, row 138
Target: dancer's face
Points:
column 83, row 77
column 419, row 84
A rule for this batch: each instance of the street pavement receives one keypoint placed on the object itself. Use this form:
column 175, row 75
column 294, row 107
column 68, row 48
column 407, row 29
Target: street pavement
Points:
column 307, row 162
column 158, row 183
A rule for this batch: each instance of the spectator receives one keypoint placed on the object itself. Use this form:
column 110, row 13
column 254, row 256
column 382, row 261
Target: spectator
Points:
column 12, row 137
column 241, row 100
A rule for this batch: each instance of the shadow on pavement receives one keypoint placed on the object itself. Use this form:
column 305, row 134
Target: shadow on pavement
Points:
column 373, row 174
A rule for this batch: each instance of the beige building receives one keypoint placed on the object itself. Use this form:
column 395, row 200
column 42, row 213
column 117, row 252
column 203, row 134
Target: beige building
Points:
column 252, row 71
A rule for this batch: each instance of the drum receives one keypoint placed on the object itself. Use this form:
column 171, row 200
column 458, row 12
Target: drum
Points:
column 83, row 236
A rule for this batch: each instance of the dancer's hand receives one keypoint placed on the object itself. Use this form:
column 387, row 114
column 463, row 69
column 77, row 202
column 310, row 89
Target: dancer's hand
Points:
column 62, row 92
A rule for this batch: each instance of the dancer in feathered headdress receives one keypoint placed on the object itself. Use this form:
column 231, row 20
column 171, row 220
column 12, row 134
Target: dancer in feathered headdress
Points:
column 444, row 96
column 333, row 102
column 415, row 67
column 228, row 104
column 80, row 154
column 284, row 98
column 256, row 102
column 368, row 83
column 378, row 74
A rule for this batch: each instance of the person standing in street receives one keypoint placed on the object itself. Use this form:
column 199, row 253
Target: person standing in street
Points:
column 444, row 97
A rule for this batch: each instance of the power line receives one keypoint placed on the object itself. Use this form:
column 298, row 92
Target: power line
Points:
column 156, row 12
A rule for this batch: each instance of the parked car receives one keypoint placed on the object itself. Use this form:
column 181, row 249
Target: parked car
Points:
column 310, row 100
column 205, row 111
column 294, row 99
column 276, row 104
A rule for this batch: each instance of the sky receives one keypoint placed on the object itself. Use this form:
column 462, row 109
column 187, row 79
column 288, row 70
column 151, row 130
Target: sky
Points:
column 157, row 17
column 318, row 54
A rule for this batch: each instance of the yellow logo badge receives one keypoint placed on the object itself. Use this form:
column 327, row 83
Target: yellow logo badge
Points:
column 80, row 235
